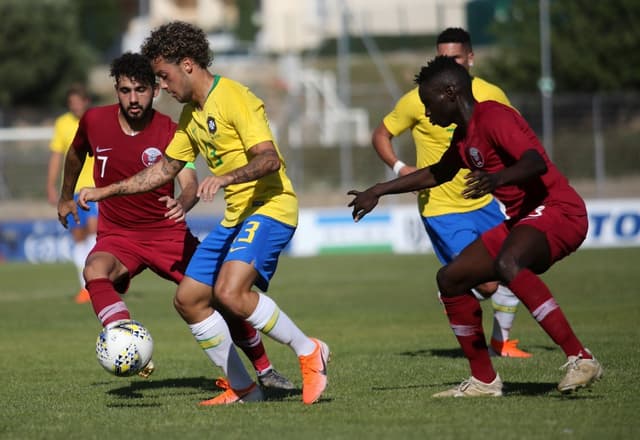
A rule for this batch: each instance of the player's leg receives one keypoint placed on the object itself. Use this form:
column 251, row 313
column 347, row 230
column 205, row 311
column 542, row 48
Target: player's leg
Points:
column 103, row 272
column 248, row 339
column 473, row 266
column 211, row 332
column 84, row 238
column 503, row 301
column 529, row 250
column 172, row 264
column 449, row 235
column 252, row 259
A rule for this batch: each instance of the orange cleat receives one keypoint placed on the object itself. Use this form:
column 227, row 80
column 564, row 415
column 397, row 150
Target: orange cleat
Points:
column 82, row 297
column 250, row 394
column 507, row 348
column 314, row 372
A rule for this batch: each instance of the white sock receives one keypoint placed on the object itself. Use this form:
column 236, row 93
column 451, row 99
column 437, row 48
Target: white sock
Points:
column 214, row 338
column 479, row 296
column 79, row 255
column 273, row 322
column 505, row 304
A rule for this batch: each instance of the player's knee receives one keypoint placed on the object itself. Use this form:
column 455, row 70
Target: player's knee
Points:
column 506, row 267
column 487, row 289
column 446, row 285
column 223, row 295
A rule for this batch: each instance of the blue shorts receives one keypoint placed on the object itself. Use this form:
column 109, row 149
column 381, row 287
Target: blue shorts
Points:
column 258, row 241
column 82, row 214
column 451, row 233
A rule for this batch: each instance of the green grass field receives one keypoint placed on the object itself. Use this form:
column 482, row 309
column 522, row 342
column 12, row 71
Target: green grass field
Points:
column 392, row 348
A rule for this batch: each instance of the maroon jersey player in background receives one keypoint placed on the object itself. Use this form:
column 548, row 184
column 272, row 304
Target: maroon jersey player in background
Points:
column 547, row 220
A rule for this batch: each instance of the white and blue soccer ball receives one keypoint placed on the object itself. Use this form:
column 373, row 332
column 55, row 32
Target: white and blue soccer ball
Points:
column 124, row 348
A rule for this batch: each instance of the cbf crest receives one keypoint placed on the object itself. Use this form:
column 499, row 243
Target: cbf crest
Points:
column 150, row 155
column 211, row 124
column 475, row 156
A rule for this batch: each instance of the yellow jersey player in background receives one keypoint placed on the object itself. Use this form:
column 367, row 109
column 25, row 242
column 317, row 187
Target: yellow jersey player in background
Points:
column 84, row 232
column 226, row 123
column 451, row 221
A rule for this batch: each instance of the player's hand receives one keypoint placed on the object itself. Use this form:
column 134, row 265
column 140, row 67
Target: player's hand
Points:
column 407, row 169
column 209, row 186
column 175, row 210
column 362, row 203
column 66, row 207
column 89, row 195
column 479, row 183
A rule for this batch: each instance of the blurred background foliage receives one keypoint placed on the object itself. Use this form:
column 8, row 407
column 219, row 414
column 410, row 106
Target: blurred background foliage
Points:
column 594, row 46
column 45, row 45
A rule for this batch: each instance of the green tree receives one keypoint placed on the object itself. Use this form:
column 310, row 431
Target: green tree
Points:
column 594, row 46
column 41, row 51
column 246, row 28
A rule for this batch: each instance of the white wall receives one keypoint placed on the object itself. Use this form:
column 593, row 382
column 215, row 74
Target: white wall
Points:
column 293, row 25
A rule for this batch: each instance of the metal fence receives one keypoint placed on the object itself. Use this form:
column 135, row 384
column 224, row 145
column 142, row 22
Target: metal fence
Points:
column 595, row 145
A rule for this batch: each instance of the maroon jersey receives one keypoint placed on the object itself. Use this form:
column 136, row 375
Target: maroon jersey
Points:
column 119, row 156
column 496, row 137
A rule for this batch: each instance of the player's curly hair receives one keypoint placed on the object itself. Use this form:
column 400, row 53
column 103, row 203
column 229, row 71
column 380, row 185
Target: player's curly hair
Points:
column 176, row 41
column 455, row 35
column 444, row 70
column 134, row 66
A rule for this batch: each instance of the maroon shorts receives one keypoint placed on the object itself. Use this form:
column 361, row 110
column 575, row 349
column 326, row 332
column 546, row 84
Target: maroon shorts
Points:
column 166, row 253
column 564, row 232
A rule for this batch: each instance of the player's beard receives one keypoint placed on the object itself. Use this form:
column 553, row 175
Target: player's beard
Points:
column 143, row 115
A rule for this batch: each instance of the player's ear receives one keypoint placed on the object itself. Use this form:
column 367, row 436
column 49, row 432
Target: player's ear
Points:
column 156, row 89
column 450, row 92
column 187, row 64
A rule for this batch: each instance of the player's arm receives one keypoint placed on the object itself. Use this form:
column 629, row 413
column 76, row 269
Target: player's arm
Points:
column 422, row 178
column 73, row 163
column 263, row 160
column 382, row 143
column 188, row 181
column 53, row 172
column 531, row 164
column 160, row 173
column 177, row 208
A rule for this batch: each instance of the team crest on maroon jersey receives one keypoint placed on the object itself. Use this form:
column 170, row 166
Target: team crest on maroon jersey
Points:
column 475, row 156
column 150, row 155
column 211, row 125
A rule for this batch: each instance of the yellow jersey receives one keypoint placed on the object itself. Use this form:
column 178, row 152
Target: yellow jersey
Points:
column 431, row 142
column 232, row 121
column 64, row 130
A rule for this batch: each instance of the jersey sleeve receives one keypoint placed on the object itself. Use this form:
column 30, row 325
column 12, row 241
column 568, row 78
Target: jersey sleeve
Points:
column 181, row 147
column 247, row 115
column 403, row 116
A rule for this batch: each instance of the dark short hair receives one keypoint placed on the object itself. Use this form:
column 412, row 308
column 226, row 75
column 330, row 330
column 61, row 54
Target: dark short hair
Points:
column 455, row 35
column 443, row 70
column 77, row 89
column 133, row 66
column 176, row 41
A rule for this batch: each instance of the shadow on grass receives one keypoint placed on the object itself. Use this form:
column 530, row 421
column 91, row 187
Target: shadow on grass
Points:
column 433, row 352
column 457, row 352
column 511, row 389
column 136, row 389
column 538, row 389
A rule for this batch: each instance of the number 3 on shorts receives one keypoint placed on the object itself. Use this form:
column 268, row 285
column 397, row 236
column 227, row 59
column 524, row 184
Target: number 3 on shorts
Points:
column 250, row 230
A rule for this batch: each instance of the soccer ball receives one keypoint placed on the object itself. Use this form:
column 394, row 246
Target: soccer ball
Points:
column 125, row 348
